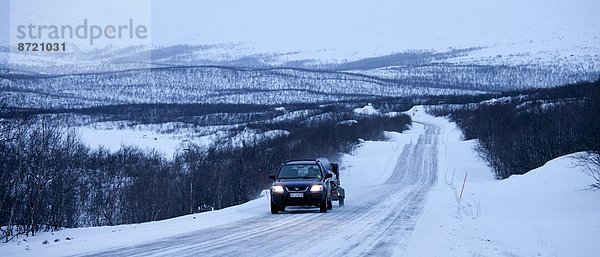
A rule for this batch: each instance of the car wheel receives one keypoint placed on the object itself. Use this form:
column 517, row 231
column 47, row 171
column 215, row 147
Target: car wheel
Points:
column 274, row 209
column 329, row 205
column 323, row 207
column 341, row 202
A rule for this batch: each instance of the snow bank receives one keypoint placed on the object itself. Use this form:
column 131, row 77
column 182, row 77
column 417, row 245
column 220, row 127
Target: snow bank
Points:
column 85, row 240
column 545, row 212
column 347, row 122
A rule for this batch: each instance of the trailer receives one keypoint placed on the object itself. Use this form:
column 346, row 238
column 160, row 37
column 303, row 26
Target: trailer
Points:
column 338, row 193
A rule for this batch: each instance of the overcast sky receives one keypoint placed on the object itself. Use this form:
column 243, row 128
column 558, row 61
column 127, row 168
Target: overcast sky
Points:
column 346, row 26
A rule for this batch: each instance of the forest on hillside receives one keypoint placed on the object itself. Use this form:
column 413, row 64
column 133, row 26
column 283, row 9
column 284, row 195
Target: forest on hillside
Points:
column 521, row 130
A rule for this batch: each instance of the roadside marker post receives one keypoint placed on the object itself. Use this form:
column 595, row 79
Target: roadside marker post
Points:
column 463, row 186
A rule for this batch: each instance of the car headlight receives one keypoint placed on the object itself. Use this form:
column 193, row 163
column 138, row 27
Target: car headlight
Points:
column 277, row 189
column 316, row 188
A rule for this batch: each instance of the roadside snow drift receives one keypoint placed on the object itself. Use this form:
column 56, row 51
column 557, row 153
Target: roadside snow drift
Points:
column 547, row 212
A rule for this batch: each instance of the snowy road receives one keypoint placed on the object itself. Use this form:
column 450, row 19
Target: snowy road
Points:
column 376, row 221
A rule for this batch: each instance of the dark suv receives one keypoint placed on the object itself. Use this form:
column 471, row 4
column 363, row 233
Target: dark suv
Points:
column 301, row 183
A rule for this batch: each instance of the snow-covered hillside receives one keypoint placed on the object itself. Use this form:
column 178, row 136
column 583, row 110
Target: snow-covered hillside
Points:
column 349, row 30
column 338, row 30
column 457, row 45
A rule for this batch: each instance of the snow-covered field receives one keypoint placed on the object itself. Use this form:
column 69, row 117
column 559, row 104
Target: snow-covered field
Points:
column 115, row 139
column 546, row 212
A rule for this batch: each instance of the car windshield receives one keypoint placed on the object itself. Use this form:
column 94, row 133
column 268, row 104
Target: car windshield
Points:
column 300, row 171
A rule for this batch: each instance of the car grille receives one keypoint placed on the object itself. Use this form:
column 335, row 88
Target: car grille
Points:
column 297, row 189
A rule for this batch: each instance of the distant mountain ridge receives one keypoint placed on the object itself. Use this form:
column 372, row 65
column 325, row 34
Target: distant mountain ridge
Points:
column 269, row 51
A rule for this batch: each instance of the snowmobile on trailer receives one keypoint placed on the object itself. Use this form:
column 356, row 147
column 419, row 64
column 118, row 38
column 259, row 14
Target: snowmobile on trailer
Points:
column 338, row 193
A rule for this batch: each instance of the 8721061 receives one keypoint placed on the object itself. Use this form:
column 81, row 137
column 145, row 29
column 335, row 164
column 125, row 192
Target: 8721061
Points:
column 42, row 47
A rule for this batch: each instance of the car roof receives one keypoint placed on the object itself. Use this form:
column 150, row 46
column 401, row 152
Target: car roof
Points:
column 303, row 162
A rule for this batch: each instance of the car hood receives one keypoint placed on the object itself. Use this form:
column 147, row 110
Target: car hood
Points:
column 297, row 182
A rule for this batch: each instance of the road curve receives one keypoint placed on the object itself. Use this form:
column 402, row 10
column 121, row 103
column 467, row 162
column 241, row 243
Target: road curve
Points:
column 377, row 223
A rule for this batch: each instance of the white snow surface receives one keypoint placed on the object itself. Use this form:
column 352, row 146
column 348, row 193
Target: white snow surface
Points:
column 115, row 139
column 367, row 110
column 545, row 212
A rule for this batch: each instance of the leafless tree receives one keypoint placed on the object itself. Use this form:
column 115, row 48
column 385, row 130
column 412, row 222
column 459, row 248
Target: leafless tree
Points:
column 590, row 163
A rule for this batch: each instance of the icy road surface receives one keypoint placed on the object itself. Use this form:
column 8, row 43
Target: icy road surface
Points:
column 375, row 221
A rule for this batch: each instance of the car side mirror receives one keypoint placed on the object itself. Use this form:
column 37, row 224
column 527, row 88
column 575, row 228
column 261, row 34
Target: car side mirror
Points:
column 328, row 175
column 272, row 177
